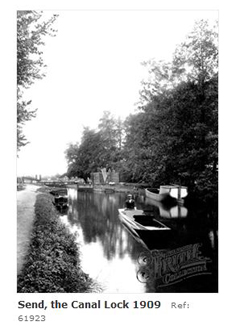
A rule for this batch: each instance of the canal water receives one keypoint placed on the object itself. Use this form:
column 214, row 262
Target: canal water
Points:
column 121, row 262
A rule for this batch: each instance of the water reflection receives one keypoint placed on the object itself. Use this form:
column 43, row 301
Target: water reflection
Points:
column 110, row 253
column 169, row 212
column 97, row 215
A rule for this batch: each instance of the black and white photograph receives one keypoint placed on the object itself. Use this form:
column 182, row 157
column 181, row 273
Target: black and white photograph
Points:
column 117, row 151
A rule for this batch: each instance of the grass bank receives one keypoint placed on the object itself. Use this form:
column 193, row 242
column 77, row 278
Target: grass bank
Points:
column 52, row 263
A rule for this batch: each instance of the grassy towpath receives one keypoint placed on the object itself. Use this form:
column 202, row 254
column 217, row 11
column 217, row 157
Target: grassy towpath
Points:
column 25, row 215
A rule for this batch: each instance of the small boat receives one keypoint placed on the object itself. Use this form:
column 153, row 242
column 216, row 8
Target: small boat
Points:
column 146, row 229
column 138, row 220
column 174, row 192
column 61, row 202
column 60, row 198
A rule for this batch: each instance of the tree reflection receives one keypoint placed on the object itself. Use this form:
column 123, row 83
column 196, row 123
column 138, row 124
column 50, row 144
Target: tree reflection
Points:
column 97, row 214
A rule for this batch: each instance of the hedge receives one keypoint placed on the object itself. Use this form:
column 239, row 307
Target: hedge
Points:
column 52, row 263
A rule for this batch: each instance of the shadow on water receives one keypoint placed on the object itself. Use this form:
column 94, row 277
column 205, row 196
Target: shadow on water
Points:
column 124, row 262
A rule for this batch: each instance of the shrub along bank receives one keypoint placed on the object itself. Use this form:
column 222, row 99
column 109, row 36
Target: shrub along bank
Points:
column 52, row 264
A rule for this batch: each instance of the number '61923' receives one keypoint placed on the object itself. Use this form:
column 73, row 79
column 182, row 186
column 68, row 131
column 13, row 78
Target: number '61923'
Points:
column 31, row 318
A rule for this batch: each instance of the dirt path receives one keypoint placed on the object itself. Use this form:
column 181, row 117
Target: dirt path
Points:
column 25, row 215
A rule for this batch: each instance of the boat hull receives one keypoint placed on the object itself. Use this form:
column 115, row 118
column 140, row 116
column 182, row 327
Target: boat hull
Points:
column 161, row 237
column 61, row 202
column 139, row 221
column 153, row 194
column 60, row 198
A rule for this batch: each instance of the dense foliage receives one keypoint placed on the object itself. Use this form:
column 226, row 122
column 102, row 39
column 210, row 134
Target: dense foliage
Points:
column 30, row 32
column 173, row 137
column 52, row 263
column 98, row 149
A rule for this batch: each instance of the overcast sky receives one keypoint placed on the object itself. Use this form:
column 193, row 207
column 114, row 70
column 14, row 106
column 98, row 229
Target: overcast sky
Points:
column 93, row 65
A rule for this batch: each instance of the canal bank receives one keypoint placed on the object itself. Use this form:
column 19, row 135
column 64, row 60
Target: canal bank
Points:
column 51, row 262
column 25, row 215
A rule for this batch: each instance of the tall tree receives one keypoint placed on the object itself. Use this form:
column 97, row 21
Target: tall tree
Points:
column 98, row 148
column 158, row 81
column 85, row 158
column 71, row 154
column 196, row 59
column 173, row 138
column 110, row 131
column 31, row 29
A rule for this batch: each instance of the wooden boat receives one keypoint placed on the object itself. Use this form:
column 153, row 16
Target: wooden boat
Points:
column 146, row 229
column 61, row 202
column 60, row 198
column 171, row 191
column 138, row 220
column 150, row 241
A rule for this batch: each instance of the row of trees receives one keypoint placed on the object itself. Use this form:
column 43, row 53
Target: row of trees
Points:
column 173, row 137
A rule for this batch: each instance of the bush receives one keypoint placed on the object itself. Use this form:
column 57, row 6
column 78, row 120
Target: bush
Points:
column 52, row 263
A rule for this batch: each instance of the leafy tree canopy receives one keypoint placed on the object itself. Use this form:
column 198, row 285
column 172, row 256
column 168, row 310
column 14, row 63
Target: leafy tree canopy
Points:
column 173, row 137
column 31, row 30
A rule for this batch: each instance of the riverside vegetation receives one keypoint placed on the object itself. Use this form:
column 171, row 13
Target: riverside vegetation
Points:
column 52, row 263
column 173, row 135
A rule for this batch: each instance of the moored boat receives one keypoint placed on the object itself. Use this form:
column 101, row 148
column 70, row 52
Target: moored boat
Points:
column 174, row 192
column 61, row 202
column 60, row 198
column 146, row 229
column 138, row 220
